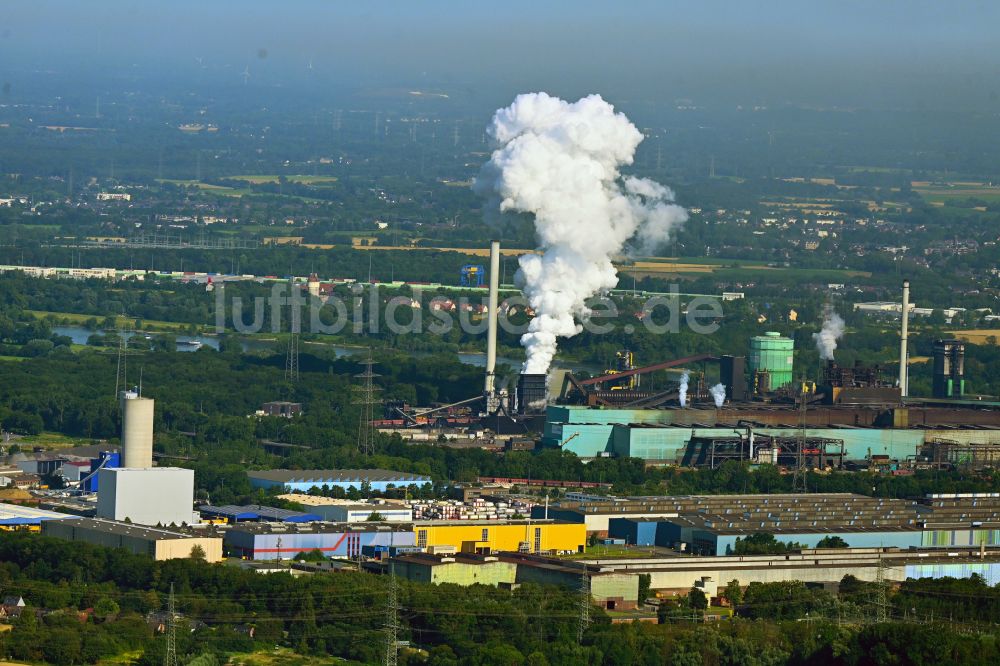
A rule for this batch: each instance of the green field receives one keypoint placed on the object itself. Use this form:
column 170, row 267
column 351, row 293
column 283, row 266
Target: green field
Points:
column 958, row 191
column 302, row 180
column 53, row 440
column 77, row 319
column 278, row 657
column 207, row 187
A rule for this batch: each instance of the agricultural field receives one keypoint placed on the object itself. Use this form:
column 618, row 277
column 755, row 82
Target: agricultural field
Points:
column 76, row 319
column 207, row 187
column 302, row 180
column 278, row 657
column 941, row 194
column 52, row 441
column 977, row 336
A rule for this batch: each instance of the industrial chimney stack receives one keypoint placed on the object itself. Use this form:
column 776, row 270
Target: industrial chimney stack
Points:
column 492, row 402
column 903, row 358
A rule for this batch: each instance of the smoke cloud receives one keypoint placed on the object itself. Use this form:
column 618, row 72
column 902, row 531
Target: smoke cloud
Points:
column 826, row 339
column 560, row 161
column 718, row 394
column 682, row 390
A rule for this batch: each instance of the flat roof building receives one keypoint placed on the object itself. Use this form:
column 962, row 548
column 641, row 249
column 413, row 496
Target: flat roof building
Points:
column 17, row 517
column 459, row 569
column 485, row 537
column 158, row 543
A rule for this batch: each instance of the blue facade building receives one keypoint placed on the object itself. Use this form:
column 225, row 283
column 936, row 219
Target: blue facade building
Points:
column 635, row 531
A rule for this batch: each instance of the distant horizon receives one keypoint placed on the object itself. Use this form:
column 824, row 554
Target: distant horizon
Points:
column 854, row 54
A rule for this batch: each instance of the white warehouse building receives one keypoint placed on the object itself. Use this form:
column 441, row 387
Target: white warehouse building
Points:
column 147, row 496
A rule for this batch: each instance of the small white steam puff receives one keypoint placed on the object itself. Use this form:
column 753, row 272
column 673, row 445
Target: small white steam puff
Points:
column 826, row 339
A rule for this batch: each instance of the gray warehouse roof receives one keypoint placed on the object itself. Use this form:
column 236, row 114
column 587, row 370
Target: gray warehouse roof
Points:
column 127, row 529
column 336, row 475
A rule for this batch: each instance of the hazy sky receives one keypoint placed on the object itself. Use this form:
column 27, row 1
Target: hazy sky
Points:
column 883, row 53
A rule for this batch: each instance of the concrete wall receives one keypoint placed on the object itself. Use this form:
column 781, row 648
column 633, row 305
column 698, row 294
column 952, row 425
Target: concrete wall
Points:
column 682, row 581
column 154, row 496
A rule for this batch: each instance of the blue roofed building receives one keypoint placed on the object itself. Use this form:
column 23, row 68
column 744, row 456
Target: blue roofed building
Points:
column 17, row 517
column 256, row 512
column 303, row 480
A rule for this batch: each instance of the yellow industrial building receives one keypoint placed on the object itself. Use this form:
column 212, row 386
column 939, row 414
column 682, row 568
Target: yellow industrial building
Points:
column 484, row 537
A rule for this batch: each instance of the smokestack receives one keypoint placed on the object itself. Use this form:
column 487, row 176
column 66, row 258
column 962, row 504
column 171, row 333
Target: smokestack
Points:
column 903, row 370
column 491, row 333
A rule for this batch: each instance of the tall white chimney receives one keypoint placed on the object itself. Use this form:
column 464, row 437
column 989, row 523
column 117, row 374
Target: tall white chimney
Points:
column 491, row 334
column 903, row 360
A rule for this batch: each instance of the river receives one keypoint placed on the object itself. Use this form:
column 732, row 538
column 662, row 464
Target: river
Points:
column 188, row 343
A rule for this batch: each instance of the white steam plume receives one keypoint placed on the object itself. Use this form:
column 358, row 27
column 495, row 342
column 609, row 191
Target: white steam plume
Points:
column 682, row 390
column 560, row 162
column 826, row 339
column 718, row 394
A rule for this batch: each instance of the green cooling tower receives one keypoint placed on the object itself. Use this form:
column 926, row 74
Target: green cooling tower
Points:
column 771, row 355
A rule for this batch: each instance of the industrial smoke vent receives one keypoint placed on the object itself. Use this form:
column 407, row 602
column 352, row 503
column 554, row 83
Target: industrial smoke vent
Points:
column 531, row 394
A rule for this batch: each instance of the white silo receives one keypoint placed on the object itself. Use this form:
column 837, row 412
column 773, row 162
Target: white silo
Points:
column 137, row 431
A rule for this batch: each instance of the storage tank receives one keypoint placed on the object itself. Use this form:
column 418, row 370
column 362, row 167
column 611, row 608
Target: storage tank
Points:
column 771, row 355
column 137, row 431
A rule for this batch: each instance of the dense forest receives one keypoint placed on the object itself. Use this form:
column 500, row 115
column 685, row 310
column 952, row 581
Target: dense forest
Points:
column 85, row 603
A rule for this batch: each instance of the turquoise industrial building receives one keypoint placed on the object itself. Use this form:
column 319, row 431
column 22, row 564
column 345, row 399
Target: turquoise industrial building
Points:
column 666, row 435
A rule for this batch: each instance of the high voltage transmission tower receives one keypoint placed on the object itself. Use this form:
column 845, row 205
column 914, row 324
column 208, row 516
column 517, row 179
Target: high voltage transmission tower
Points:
column 292, row 359
column 392, row 621
column 881, row 592
column 170, row 656
column 366, row 397
column 121, row 376
column 294, row 324
column 584, row 622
